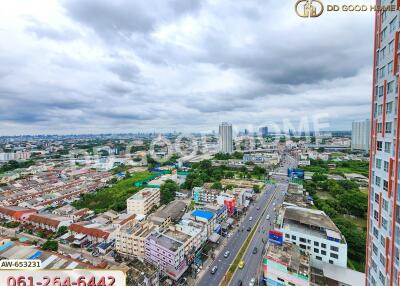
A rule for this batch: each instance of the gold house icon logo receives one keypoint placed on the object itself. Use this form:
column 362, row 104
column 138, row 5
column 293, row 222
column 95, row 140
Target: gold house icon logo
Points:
column 309, row 8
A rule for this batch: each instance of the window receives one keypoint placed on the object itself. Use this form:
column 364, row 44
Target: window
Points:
column 376, row 232
column 392, row 24
column 382, row 278
column 323, row 245
column 334, row 248
column 376, row 215
column 385, row 205
column 302, row 239
column 384, row 31
column 280, row 279
column 330, row 261
column 316, row 250
column 293, row 237
column 374, row 249
column 385, row 166
column 382, row 259
column 389, row 107
column 287, row 235
column 390, row 67
column 323, row 252
column 303, row 246
column 384, row 223
column 390, row 85
column 385, row 185
column 382, row 240
column 380, row 93
column 316, row 243
column 379, row 145
column 318, row 257
column 379, row 127
column 377, row 181
column 387, row 147
column 376, row 198
column 388, row 127
column 334, row 255
column 390, row 47
column 378, row 163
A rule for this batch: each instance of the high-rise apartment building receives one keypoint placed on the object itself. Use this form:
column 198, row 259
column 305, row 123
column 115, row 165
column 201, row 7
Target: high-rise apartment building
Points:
column 225, row 138
column 360, row 131
column 383, row 234
column 264, row 131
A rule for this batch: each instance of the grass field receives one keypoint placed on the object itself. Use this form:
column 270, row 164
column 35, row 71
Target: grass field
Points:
column 113, row 197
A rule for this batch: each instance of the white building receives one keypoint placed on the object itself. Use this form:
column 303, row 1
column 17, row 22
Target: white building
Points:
column 225, row 138
column 360, row 135
column 314, row 232
column 143, row 201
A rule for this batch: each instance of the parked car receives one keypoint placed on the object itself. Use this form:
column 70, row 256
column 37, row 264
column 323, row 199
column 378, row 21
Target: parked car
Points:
column 252, row 281
column 249, row 228
column 250, row 218
column 239, row 283
column 214, row 269
column 255, row 250
column 267, row 216
column 226, row 254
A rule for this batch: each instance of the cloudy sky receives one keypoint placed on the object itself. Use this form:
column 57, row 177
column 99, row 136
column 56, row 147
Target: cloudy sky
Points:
column 79, row 66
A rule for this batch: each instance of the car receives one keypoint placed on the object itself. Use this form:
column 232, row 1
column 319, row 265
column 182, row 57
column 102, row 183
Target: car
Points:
column 274, row 204
column 258, row 208
column 255, row 250
column 214, row 269
column 267, row 216
column 252, row 281
column 249, row 228
column 239, row 283
column 241, row 264
column 226, row 254
column 250, row 218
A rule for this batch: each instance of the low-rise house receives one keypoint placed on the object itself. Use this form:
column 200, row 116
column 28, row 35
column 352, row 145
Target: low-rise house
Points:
column 47, row 221
column 15, row 213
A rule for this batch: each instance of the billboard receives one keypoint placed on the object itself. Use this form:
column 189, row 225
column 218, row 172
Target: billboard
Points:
column 295, row 173
column 275, row 237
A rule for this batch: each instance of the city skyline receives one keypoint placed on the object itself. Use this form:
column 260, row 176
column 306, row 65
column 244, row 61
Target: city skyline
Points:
column 187, row 67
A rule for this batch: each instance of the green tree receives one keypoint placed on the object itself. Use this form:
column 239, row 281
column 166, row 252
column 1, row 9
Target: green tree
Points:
column 216, row 186
column 168, row 191
column 50, row 245
column 62, row 230
column 256, row 189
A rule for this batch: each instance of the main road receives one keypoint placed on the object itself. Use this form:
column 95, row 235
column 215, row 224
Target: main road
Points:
column 269, row 199
column 253, row 261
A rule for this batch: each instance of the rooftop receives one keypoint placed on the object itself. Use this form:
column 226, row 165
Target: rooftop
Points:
column 165, row 241
column 144, row 193
column 203, row 214
column 290, row 256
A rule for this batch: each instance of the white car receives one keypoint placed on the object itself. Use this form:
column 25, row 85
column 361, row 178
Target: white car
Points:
column 252, row 281
column 267, row 217
column 250, row 218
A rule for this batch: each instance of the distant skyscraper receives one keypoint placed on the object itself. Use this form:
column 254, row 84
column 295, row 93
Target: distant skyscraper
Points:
column 360, row 135
column 383, row 227
column 225, row 138
column 264, row 131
